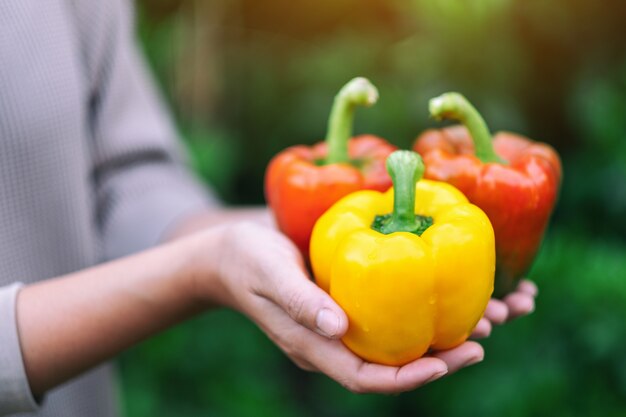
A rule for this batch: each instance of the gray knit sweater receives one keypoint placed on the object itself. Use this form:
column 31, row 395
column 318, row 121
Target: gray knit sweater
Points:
column 89, row 168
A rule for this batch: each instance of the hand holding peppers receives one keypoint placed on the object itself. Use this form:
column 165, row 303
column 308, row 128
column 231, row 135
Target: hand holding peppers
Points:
column 514, row 180
column 408, row 282
column 264, row 279
column 302, row 182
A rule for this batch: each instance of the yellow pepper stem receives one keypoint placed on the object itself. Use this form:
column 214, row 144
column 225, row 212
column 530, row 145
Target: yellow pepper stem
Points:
column 406, row 168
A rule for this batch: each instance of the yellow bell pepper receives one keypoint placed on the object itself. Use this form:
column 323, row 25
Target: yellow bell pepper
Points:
column 408, row 282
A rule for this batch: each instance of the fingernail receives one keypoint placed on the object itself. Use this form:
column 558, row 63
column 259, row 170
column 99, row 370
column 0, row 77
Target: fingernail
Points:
column 437, row 376
column 327, row 323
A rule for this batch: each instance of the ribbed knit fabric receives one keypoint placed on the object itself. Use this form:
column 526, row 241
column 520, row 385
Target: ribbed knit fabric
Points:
column 89, row 168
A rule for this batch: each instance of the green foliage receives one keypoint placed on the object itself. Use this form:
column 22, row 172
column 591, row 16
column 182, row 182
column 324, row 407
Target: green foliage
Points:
column 597, row 182
column 214, row 156
column 249, row 78
column 219, row 364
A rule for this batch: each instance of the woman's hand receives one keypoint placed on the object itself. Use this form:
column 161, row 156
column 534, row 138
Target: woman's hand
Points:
column 74, row 322
column 261, row 274
column 518, row 303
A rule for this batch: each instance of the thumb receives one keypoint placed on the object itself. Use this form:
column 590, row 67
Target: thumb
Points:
column 308, row 304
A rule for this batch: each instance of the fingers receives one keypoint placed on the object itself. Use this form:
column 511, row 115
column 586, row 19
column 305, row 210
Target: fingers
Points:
column 520, row 304
column 469, row 353
column 363, row 377
column 335, row 360
column 305, row 302
column 522, row 301
column 311, row 351
column 528, row 287
column 497, row 311
column 482, row 329
column 371, row 377
column 516, row 304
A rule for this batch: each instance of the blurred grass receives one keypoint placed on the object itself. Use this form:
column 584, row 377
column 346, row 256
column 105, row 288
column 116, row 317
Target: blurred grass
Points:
column 246, row 79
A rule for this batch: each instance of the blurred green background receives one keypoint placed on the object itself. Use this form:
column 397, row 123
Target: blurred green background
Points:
column 246, row 79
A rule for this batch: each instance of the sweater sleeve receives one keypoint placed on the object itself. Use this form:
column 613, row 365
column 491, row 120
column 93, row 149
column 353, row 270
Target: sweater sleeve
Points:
column 141, row 182
column 15, row 394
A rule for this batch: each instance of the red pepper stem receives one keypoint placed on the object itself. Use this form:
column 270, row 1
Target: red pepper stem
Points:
column 357, row 92
column 406, row 168
column 456, row 107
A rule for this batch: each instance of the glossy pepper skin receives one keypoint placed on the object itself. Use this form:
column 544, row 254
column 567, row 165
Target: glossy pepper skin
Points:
column 405, row 294
column 302, row 182
column 513, row 179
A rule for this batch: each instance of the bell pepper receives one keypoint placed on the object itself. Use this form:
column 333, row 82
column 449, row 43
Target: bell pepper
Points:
column 512, row 178
column 413, row 268
column 302, row 182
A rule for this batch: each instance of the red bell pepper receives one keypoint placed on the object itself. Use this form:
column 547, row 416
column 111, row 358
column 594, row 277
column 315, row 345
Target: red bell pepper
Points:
column 302, row 182
column 513, row 179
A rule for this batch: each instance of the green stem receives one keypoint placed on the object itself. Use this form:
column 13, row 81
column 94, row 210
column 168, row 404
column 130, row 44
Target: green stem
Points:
column 406, row 169
column 455, row 106
column 357, row 92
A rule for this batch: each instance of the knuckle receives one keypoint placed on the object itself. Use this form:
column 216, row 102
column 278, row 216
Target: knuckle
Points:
column 299, row 363
column 353, row 386
column 296, row 305
column 297, row 353
column 356, row 388
column 290, row 349
column 303, row 364
column 293, row 346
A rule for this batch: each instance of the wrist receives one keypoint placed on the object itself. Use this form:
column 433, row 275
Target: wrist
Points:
column 205, row 267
